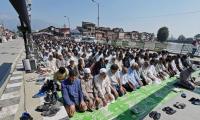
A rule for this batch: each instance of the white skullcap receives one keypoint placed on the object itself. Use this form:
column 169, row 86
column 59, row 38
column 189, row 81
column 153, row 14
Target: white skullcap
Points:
column 103, row 70
column 132, row 62
column 87, row 70
column 194, row 67
column 114, row 57
column 71, row 59
column 106, row 58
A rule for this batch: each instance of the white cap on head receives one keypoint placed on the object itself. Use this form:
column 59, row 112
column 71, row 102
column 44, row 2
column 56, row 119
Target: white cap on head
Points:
column 87, row 70
column 132, row 62
column 103, row 70
column 72, row 59
column 194, row 67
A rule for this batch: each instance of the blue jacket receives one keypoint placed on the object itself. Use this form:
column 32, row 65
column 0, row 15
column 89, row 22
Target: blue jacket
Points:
column 72, row 92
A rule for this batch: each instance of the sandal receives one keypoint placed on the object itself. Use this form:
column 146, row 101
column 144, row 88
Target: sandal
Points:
column 42, row 108
column 196, row 102
column 179, row 105
column 183, row 95
column 51, row 112
column 169, row 110
column 157, row 116
column 152, row 114
column 192, row 99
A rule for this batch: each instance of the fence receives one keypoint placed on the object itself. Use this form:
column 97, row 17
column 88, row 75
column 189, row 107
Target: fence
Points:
column 155, row 46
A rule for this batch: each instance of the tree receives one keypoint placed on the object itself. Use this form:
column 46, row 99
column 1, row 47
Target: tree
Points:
column 197, row 36
column 181, row 38
column 163, row 34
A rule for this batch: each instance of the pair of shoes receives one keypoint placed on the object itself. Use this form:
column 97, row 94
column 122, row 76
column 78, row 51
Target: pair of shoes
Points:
column 195, row 101
column 26, row 116
column 51, row 98
column 155, row 115
column 183, row 95
column 169, row 110
column 51, row 112
column 44, row 107
column 179, row 105
column 39, row 94
column 47, row 98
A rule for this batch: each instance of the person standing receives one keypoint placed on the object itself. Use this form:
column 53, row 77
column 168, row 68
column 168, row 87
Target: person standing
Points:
column 194, row 47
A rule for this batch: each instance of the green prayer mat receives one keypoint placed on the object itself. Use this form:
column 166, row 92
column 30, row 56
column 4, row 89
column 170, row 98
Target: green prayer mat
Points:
column 142, row 100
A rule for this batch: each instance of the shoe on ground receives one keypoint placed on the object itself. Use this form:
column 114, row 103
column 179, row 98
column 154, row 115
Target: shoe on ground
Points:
column 192, row 99
column 44, row 107
column 157, row 116
column 179, row 105
column 183, row 95
column 40, row 94
column 51, row 112
column 169, row 110
column 196, row 102
column 152, row 114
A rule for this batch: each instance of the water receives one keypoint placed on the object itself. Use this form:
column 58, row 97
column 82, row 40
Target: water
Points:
column 176, row 47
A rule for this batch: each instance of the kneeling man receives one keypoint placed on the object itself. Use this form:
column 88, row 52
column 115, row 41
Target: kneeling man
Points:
column 72, row 94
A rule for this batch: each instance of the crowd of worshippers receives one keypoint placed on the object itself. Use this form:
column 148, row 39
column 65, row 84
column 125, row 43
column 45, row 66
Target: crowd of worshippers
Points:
column 90, row 76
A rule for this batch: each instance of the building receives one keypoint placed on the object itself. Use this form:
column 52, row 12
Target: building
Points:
column 88, row 29
column 60, row 32
column 103, row 33
column 144, row 36
column 127, row 35
column 135, row 36
column 118, row 30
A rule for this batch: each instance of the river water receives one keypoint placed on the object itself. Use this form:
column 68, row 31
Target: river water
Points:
column 177, row 47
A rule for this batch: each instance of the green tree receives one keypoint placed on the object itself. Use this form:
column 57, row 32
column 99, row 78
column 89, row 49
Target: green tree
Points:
column 197, row 36
column 163, row 34
column 181, row 38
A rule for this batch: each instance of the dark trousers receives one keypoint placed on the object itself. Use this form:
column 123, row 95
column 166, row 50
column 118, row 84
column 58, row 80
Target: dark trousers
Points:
column 127, row 87
column 117, row 88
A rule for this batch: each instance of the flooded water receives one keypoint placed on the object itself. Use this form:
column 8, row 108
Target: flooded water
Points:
column 177, row 47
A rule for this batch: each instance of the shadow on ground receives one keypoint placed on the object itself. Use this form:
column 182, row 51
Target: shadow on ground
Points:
column 5, row 69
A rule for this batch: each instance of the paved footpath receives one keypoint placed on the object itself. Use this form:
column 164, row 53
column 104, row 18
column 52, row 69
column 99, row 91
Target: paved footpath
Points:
column 9, row 101
column 11, row 69
column 10, row 50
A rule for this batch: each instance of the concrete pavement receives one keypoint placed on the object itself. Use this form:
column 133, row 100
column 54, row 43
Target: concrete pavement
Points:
column 191, row 112
column 9, row 54
column 10, row 50
column 11, row 77
column 9, row 101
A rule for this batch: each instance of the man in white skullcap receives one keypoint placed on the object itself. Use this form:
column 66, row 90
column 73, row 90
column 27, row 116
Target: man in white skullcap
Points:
column 87, row 86
column 102, row 88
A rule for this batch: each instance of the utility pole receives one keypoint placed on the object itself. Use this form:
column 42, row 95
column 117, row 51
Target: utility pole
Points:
column 68, row 21
column 98, row 11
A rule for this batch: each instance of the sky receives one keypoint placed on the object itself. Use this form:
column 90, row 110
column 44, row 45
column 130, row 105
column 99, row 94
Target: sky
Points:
column 180, row 16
